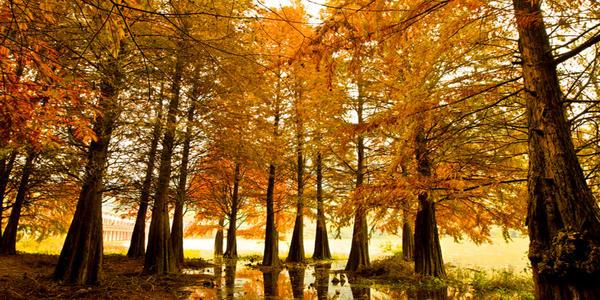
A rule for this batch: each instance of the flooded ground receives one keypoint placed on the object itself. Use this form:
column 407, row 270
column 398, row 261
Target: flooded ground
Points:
column 241, row 280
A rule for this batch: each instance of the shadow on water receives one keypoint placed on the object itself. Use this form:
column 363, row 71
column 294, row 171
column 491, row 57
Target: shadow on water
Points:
column 236, row 279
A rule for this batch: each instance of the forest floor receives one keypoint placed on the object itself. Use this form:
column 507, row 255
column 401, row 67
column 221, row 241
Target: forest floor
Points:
column 29, row 276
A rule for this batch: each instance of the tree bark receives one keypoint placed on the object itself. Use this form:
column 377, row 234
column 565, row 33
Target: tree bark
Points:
column 159, row 257
column 427, row 251
column 219, row 238
column 231, row 251
column 563, row 219
column 321, row 240
column 9, row 238
column 271, row 253
column 137, row 247
column 359, row 249
column 408, row 242
column 296, row 252
column 80, row 259
column 6, row 166
column 177, row 227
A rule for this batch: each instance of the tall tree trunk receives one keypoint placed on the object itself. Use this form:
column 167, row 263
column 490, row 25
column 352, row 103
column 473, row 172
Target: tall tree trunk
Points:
column 321, row 241
column 231, row 251
column 9, row 238
column 408, row 242
column 563, row 218
column 271, row 253
column 427, row 252
column 296, row 253
column 359, row 249
column 80, row 260
column 219, row 238
column 137, row 247
column 6, row 166
column 159, row 257
column 177, row 227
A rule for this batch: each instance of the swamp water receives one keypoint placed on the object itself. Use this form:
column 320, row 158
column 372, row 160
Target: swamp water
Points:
column 239, row 279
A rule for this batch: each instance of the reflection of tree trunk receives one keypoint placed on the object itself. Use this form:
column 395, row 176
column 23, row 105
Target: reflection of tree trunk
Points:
column 6, row 165
column 9, row 238
column 159, row 257
column 231, row 251
column 296, row 253
column 177, row 227
column 359, row 249
column 322, row 281
column 80, row 259
column 563, row 217
column 427, row 251
column 407, row 238
column 230, row 269
column 137, row 247
column 359, row 291
column 270, row 283
column 440, row 293
column 219, row 238
column 297, row 280
column 321, row 240
column 218, row 278
column 271, row 253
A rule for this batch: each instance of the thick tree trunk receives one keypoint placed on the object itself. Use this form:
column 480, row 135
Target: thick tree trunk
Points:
column 321, row 240
column 6, row 166
column 219, row 239
column 80, row 260
column 177, row 227
column 137, row 247
column 359, row 249
column 297, row 280
column 231, row 251
column 271, row 253
column 408, row 242
column 296, row 253
column 563, row 217
column 159, row 257
column 9, row 238
column 427, row 251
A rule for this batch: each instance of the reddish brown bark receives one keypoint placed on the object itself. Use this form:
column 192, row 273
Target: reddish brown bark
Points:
column 563, row 219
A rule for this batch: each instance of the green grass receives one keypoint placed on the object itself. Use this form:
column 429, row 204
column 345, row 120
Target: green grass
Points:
column 50, row 245
column 493, row 284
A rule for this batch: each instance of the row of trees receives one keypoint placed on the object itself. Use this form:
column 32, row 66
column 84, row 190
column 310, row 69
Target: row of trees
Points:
column 387, row 115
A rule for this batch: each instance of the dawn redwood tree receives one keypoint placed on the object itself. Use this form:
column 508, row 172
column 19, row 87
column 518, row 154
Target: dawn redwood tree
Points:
column 80, row 259
column 137, row 246
column 296, row 253
column 271, row 253
column 159, row 257
column 408, row 242
column 321, row 241
column 427, row 250
column 563, row 219
column 231, row 250
column 9, row 237
column 181, row 195
column 359, row 249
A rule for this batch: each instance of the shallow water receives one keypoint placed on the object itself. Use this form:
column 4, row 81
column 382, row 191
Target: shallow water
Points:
column 238, row 280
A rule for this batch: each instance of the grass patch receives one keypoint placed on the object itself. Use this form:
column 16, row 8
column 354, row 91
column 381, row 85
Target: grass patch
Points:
column 494, row 284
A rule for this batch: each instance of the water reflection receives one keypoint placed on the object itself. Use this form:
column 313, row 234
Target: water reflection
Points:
column 297, row 279
column 236, row 280
column 270, row 282
column 322, row 280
